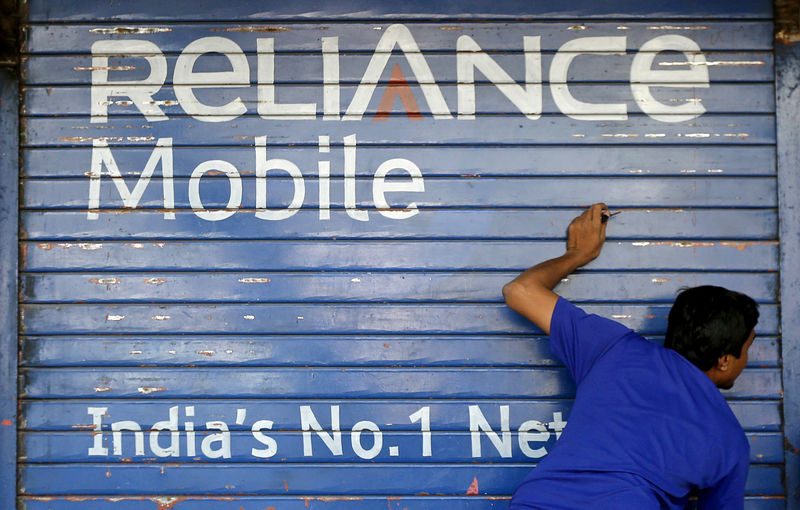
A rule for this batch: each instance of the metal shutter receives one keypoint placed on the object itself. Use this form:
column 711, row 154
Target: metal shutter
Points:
column 209, row 258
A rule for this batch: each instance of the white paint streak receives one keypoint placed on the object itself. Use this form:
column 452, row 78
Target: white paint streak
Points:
column 356, row 280
column 621, row 316
column 688, row 171
column 715, row 170
column 695, row 135
column 715, row 63
column 254, row 280
column 114, row 317
column 101, row 389
column 655, row 135
column 161, row 317
column 619, row 135
column 659, row 281
column 90, row 246
column 249, row 317
column 640, row 243
column 129, row 30
column 146, row 390
column 141, row 138
column 105, row 281
column 673, row 27
column 134, row 352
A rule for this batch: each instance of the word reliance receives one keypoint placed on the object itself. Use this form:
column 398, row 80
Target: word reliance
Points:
column 469, row 58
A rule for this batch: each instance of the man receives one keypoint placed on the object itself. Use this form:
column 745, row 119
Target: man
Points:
column 649, row 424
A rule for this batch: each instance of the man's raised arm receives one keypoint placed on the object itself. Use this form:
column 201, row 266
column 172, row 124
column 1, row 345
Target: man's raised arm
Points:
column 531, row 293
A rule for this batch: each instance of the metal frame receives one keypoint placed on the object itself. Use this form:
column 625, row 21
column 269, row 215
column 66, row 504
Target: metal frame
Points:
column 787, row 79
column 9, row 242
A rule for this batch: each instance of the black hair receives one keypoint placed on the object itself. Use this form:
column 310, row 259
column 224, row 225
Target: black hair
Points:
column 708, row 322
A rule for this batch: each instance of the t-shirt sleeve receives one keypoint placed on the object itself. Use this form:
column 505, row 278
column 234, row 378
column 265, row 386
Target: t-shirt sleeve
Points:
column 728, row 493
column 579, row 339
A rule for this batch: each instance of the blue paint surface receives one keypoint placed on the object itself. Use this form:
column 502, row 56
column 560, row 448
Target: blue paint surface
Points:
column 133, row 313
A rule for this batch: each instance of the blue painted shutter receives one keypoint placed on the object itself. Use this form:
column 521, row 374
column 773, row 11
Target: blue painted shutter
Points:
column 252, row 332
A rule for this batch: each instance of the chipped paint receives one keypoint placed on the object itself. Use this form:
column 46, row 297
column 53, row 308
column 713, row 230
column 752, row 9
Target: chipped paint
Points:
column 140, row 138
column 206, row 353
column 114, row 317
column 355, row 280
column 450, row 28
column 473, row 487
column 655, row 135
column 578, row 27
column 254, row 280
column 129, row 30
column 161, row 317
column 695, row 135
column 104, row 68
column 621, row 316
column 104, row 281
column 714, row 63
column 623, row 27
column 675, row 27
column 146, row 390
column 45, row 246
column 90, row 138
column 659, row 281
column 102, row 389
column 619, row 135
column 743, row 245
column 90, row 246
column 154, row 281
column 578, row 135
column 135, row 246
column 688, row 171
column 134, row 352
column 249, row 317
column 258, row 28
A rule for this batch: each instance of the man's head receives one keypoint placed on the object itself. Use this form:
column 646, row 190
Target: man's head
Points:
column 713, row 327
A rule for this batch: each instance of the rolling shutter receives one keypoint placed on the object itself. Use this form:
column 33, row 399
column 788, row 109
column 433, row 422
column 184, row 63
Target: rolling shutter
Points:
column 262, row 248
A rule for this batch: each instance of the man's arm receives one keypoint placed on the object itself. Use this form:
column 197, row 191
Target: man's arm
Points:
column 531, row 293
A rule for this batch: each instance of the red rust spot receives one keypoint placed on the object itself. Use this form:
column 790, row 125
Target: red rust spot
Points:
column 386, row 345
column 83, row 427
column 286, row 486
column 473, row 487
column 5, row 422
column 398, row 87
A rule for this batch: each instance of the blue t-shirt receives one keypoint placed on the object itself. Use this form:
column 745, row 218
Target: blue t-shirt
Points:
column 647, row 427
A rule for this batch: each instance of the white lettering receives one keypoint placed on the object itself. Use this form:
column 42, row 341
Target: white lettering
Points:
column 101, row 155
column 118, row 426
column 643, row 77
column 527, row 99
column 234, row 200
column 140, row 92
column 525, row 437
column 559, row 76
column 271, row 445
column 478, row 422
column 267, row 107
column 380, row 187
column 309, row 422
column 397, row 35
column 330, row 78
column 264, row 165
column 350, row 180
column 224, row 438
column 97, row 437
column 185, row 79
column 174, row 448
column 355, row 439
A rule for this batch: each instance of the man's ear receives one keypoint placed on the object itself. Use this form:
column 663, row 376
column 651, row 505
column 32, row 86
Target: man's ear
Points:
column 724, row 362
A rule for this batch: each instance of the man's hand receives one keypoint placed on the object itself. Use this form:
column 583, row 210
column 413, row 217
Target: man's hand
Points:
column 587, row 233
column 531, row 294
